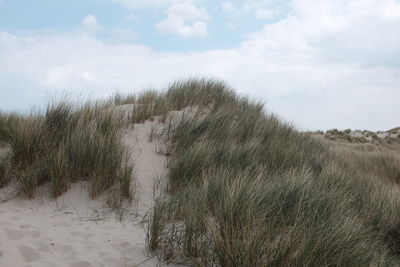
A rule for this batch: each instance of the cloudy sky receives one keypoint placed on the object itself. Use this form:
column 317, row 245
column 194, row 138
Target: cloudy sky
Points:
column 319, row 63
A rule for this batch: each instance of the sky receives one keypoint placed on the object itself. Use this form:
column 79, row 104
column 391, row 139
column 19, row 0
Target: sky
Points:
column 320, row 64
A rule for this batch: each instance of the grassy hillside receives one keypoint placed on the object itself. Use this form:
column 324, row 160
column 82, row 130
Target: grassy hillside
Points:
column 249, row 190
column 245, row 188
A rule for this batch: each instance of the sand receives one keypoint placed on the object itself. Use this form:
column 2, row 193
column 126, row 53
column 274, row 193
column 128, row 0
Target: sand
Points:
column 74, row 230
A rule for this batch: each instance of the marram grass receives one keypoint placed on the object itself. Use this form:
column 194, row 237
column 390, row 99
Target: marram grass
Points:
column 67, row 143
column 245, row 188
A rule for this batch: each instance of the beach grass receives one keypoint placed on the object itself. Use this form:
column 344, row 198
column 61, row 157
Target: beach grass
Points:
column 66, row 143
column 245, row 188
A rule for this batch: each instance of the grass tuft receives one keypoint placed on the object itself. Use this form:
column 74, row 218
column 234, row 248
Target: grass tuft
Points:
column 5, row 166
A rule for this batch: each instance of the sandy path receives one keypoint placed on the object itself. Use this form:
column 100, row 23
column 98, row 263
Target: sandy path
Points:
column 149, row 166
column 77, row 231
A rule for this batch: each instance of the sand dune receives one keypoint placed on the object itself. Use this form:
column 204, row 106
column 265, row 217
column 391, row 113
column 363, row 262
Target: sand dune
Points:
column 74, row 230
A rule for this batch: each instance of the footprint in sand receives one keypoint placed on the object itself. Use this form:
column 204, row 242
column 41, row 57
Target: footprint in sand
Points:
column 28, row 253
column 59, row 248
column 42, row 246
column 14, row 234
column 34, row 234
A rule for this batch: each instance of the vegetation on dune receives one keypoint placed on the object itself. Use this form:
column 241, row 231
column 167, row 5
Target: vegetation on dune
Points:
column 388, row 138
column 245, row 188
column 249, row 190
column 66, row 143
column 151, row 103
column 376, row 161
column 4, row 169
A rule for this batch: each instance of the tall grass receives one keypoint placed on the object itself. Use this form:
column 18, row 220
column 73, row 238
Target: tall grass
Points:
column 378, row 161
column 180, row 94
column 245, row 188
column 249, row 190
column 4, row 168
column 66, row 143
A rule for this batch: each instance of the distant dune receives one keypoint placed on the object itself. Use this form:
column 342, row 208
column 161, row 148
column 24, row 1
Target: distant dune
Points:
column 391, row 136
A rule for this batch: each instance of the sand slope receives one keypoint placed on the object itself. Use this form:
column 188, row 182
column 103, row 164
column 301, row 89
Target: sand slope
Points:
column 77, row 231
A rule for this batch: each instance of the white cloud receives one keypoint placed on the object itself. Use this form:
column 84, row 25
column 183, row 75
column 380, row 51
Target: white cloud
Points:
column 91, row 27
column 228, row 7
column 177, row 26
column 262, row 9
column 90, row 22
column 264, row 13
column 391, row 11
column 236, row 10
column 188, row 12
column 184, row 20
column 139, row 4
column 356, row 32
column 327, row 65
